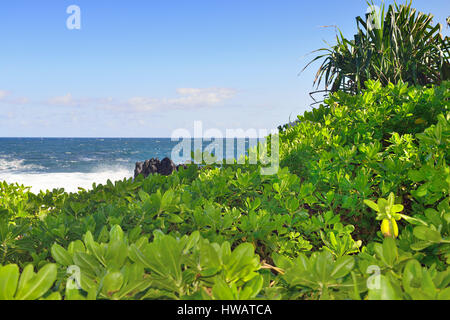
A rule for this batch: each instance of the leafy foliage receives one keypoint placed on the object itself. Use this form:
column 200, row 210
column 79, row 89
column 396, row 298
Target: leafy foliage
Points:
column 310, row 231
column 397, row 44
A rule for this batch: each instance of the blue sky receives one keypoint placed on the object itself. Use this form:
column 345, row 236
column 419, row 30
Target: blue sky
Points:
column 145, row 68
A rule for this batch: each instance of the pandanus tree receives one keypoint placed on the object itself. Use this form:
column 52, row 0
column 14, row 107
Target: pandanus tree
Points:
column 397, row 44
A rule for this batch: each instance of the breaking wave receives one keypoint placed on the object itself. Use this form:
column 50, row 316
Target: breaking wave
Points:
column 70, row 181
column 17, row 164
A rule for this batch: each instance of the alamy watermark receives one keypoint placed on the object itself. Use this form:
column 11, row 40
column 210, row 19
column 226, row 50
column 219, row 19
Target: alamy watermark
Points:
column 74, row 280
column 73, row 22
column 374, row 281
column 264, row 153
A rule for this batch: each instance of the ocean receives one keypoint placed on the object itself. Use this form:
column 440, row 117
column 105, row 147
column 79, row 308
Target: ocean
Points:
column 69, row 163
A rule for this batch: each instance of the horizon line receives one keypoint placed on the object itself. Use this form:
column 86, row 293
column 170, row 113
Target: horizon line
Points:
column 126, row 138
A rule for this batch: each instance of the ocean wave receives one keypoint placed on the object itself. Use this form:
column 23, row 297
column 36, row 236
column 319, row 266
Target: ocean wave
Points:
column 87, row 159
column 70, row 181
column 17, row 165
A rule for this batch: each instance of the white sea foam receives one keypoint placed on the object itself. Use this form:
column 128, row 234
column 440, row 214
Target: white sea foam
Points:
column 7, row 164
column 69, row 181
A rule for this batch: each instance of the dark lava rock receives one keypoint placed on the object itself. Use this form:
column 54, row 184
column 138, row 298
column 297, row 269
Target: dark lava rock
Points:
column 152, row 166
column 166, row 167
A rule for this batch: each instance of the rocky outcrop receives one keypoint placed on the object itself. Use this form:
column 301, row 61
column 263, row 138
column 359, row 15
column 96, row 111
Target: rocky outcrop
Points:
column 165, row 167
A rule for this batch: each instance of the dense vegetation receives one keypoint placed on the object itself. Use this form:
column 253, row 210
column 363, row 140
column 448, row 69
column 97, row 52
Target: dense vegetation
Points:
column 360, row 207
column 358, row 210
column 391, row 45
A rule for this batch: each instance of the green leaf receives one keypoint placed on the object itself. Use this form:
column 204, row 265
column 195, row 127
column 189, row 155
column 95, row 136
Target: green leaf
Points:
column 281, row 261
column 444, row 294
column 94, row 248
column 372, row 205
column 252, row 288
column 323, row 266
column 427, row 234
column 112, row 283
column 137, row 256
column 39, row 285
column 61, row 255
column 412, row 275
column 342, row 267
column 144, row 196
column 390, row 251
column 385, row 292
column 428, row 286
column 241, row 263
column 397, row 208
column 421, row 191
column 276, row 187
column 116, row 234
column 415, row 221
column 192, row 241
column 27, row 275
column 221, row 291
column 76, row 246
column 86, row 262
column 116, row 254
column 420, row 245
column 55, row 296
column 9, row 277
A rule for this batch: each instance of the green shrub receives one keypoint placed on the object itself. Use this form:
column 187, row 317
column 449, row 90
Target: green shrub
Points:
column 310, row 231
column 393, row 45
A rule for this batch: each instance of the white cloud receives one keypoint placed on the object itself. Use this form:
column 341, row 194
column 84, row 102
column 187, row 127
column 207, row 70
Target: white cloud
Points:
column 188, row 98
column 7, row 98
column 19, row 100
column 66, row 100
column 209, row 96
column 141, row 104
column 3, row 94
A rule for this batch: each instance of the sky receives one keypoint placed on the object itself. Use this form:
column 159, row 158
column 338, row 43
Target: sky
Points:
column 140, row 68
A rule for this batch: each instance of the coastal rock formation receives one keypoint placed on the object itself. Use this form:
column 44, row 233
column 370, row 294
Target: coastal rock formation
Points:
column 154, row 165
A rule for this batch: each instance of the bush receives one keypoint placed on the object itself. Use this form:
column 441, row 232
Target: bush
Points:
column 397, row 44
column 311, row 231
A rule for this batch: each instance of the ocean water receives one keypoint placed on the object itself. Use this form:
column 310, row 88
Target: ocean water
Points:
column 69, row 163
